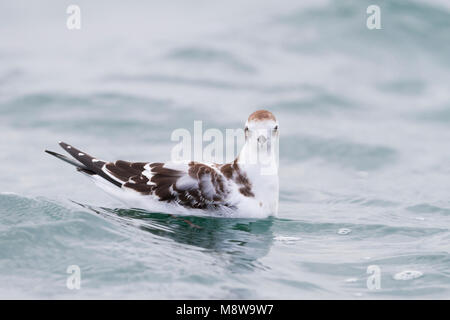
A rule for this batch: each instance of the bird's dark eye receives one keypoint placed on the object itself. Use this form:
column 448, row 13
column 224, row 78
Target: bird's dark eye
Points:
column 276, row 127
column 246, row 129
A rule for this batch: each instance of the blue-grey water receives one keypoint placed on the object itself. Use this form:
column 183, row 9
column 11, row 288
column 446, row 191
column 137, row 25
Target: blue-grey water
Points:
column 364, row 157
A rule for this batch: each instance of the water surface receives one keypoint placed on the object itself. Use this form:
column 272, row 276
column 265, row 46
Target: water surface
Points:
column 364, row 119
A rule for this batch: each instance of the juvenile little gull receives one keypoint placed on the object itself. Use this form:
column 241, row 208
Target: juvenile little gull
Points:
column 245, row 187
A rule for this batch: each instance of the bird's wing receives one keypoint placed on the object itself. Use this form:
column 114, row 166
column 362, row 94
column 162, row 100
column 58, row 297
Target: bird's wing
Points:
column 193, row 185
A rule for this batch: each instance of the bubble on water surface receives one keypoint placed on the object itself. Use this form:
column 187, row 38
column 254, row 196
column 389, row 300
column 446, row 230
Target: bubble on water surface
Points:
column 344, row 231
column 408, row 275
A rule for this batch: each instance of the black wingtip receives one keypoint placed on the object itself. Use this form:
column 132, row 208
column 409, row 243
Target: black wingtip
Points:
column 51, row 152
column 87, row 162
column 68, row 160
column 55, row 154
column 64, row 145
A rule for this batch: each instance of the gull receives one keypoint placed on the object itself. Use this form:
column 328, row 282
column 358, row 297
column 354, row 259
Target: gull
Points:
column 247, row 187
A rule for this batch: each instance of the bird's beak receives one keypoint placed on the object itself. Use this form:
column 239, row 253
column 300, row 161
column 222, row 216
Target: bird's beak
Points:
column 262, row 139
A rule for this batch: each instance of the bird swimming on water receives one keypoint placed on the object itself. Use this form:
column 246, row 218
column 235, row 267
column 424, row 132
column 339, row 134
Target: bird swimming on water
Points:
column 246, row 187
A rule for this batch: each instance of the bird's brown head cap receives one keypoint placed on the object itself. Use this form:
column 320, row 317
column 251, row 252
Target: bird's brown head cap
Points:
column 261, row 115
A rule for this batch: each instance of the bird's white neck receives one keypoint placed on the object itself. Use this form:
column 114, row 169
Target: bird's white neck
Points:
column 261, row 167
column 262, row 158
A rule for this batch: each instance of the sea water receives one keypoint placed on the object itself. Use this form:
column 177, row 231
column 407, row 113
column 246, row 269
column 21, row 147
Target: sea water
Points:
column 364, row 152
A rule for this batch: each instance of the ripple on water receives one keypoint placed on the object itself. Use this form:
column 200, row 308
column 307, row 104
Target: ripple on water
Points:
column 210, row 55
column 361, row 157
column 428, row 208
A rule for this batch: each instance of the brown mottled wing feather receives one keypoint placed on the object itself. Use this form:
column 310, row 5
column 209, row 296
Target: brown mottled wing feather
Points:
column 199, row 186
column 130, row 174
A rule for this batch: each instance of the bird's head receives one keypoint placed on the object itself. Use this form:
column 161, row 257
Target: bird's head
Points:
column 261, row 128
column 261, row 136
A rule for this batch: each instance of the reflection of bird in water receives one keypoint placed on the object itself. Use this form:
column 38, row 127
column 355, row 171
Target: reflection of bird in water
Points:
column 242, row 242
column 244, row 188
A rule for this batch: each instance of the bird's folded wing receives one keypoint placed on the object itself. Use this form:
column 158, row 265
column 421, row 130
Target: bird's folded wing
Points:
column 194, row 185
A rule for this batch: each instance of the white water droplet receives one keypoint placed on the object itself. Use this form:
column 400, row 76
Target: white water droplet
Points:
column 351, row 280
column 408, row 275
column 344, row 231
